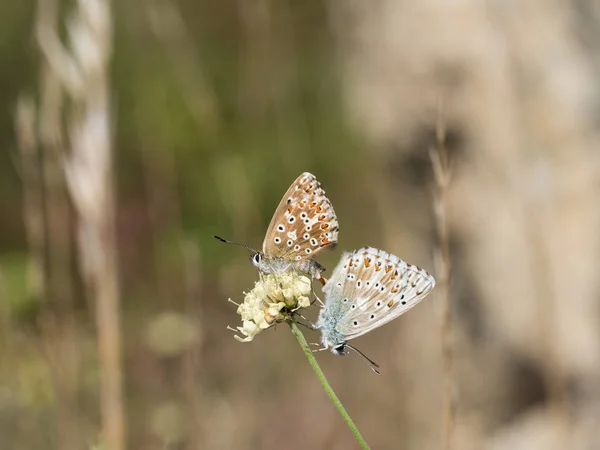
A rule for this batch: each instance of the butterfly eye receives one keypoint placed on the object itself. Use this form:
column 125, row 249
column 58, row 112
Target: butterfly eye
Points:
column 256, row 258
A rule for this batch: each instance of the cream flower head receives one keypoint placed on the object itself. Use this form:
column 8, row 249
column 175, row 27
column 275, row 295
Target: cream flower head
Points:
column 274, row 296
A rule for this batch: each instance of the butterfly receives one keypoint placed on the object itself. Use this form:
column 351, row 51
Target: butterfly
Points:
column 368, row 288
column 304, row 223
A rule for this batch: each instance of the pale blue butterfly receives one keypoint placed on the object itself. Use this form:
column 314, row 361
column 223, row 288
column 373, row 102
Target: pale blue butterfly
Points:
column 367, row 289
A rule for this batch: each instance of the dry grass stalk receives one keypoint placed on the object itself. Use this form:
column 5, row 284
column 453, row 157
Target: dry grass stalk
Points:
column 47, row 223
column 441, row 172
column 82, row 70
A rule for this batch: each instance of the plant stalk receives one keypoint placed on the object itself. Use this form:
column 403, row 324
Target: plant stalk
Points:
column 321, row 376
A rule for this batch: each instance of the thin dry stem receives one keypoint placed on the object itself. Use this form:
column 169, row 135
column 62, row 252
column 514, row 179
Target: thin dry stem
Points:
column 441, row 172
column 53, row 246
column 81, row 70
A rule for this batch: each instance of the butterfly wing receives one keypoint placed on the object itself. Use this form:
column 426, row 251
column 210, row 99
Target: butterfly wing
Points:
column 374, row 288
column 304, row 223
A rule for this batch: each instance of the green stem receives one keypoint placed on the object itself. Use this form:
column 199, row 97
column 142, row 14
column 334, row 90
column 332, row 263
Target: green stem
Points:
column 336, row 401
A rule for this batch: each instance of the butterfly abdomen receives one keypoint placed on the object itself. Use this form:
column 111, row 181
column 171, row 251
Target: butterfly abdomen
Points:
column 282, row 265
column 328, row 321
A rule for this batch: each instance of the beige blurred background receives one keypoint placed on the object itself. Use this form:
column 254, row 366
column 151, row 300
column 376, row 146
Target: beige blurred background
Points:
column 133, row 131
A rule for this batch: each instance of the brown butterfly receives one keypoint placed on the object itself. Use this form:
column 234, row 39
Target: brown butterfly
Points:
column 304, row 223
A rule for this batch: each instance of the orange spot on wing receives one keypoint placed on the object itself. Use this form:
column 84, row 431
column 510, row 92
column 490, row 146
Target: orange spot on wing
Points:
column 350, row 263
column 377, row 267
column 388, row 268
column 394, row 290
column 319, row 209
column 290, row 208
column 367, row 262
column 391, row 303
column 324, row 226
column 322, row 217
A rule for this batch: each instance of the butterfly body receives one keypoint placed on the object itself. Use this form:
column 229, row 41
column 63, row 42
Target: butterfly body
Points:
column 268, row 265
column 367, row 289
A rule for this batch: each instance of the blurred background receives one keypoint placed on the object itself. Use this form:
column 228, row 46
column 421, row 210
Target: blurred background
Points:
column 134, row 131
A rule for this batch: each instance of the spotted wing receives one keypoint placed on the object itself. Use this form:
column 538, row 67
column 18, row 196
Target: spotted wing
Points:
column 304, row 222
column 373, row 288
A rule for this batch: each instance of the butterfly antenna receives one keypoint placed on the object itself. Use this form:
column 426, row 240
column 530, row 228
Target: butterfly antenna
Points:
column 372, row 364
column 235, row 243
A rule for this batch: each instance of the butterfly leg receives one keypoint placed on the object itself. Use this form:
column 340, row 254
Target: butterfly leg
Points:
column 317, row 349
column 310, row 327
column 318, row 345
column 317, row 299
